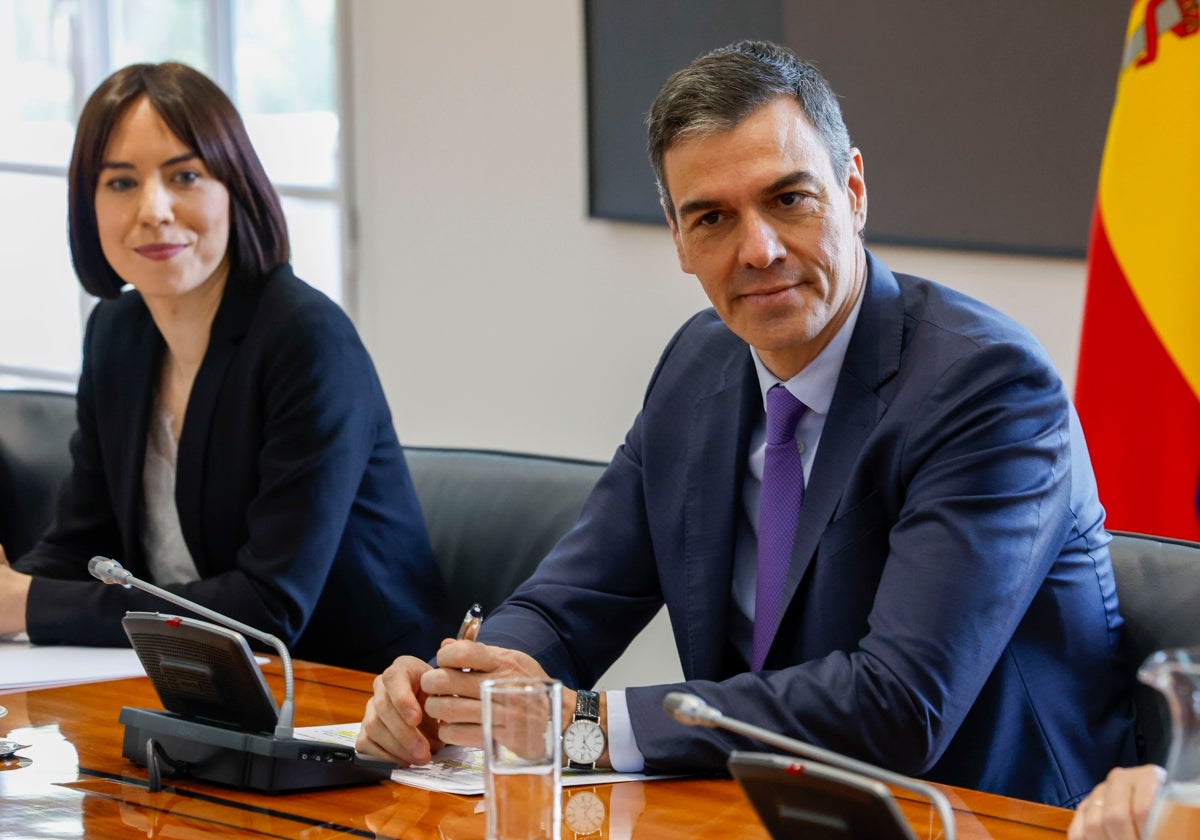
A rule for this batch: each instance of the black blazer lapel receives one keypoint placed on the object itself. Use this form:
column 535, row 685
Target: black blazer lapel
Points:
column 229, row 325
column 130, row 378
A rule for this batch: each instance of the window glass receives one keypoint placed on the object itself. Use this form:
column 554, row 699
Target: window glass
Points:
column 301, row 33
column 314, row 229
column 36, row 120
column 286, row 85
column 40, row 325
column 296, row 149
column 153, row 30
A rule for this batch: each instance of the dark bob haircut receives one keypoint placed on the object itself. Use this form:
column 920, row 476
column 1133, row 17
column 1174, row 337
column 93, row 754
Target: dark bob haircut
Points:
column 202, row 117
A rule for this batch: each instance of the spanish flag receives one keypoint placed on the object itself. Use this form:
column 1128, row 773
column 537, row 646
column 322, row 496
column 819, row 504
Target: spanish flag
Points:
column 1138, row 389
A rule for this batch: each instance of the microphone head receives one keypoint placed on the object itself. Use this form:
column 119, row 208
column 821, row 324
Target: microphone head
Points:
column 108, row 571
column 690, row 710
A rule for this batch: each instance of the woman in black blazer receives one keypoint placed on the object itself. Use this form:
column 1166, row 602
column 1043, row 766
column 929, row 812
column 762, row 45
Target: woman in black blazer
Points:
column 234, row 442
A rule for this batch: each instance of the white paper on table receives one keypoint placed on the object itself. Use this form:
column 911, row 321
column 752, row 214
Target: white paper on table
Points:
column 27, row 667
column 457, row 769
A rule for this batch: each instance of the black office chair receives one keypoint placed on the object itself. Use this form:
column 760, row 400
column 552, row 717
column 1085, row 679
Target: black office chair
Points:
column 35, row 430
column 1158, row 583
column 493, row 516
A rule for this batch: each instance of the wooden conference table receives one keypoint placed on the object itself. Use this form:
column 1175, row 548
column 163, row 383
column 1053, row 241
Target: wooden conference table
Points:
column 74, row 783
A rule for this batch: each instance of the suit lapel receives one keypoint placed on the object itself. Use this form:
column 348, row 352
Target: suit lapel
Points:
column 132, row 385
column 229, row 325
column 718, row 438
column 872, row 357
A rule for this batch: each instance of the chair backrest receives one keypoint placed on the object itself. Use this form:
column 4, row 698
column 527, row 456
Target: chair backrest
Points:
column 1158, row 583
column 35, row 430
column 493, row 516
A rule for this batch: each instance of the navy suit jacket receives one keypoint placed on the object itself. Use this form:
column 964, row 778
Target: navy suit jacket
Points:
column 950, row 609
column 292, row 490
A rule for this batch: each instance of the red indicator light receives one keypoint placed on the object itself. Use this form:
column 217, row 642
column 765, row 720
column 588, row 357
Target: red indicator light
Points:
column 174, row 621
column 795, row 769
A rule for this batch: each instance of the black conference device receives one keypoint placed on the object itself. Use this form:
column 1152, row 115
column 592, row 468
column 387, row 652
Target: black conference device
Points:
column 840, row 798
column 220, row 722
column 202, row 671
column 807, row 800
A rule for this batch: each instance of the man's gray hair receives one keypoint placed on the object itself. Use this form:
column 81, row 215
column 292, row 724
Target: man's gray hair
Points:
column 721, row 88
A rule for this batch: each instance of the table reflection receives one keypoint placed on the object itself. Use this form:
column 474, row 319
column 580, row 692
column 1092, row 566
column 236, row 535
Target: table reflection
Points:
column 35, row 803
column 421, row 815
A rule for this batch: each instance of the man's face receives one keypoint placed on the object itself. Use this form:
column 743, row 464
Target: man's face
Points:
column 769, row 231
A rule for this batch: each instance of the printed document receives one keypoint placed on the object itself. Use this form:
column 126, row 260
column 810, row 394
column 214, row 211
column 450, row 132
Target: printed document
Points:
column 457, row 769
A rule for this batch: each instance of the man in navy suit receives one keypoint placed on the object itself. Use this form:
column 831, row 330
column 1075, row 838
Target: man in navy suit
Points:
column 948, row 610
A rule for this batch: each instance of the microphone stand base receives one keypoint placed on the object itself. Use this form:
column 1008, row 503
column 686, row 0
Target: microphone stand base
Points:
column 250, row 761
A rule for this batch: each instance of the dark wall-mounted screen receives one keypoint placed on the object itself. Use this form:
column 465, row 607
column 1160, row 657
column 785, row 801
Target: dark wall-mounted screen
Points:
column 981, row 125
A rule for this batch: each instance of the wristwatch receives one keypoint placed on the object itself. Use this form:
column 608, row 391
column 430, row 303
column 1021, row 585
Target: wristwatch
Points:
column 584, row 813
column 583, row 740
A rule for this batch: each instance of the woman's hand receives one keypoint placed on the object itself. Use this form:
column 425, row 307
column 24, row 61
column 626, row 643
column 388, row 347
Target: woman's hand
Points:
column 14, row 593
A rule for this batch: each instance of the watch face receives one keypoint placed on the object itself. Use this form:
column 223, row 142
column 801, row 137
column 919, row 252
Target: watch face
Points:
column 583, row 742
column 584, row 812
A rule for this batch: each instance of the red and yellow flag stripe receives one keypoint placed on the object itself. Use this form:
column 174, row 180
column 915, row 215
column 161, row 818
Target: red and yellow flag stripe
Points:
column 1138, row 389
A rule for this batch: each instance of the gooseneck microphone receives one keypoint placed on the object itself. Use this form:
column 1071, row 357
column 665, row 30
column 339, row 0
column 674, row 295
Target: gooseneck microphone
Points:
column 691, row 710
column 110, row 571
column 219, row 711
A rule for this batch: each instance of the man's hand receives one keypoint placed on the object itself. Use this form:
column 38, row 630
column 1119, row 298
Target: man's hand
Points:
column 14, row 593
column 394, row 725
column 453, row 689
column 1117, row 808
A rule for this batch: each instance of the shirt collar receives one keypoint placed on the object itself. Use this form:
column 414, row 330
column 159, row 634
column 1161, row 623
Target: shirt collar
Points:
column 814, row 385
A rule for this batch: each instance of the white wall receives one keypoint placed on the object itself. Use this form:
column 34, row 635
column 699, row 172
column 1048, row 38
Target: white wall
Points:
column 498, row 313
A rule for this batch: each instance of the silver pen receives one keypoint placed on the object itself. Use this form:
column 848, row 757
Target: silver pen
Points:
column 471, row 622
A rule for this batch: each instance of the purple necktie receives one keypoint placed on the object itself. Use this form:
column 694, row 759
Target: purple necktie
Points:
column 778, row 512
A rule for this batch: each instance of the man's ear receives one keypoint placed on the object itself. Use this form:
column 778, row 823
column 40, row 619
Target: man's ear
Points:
column 673, row 225
column 856, row 189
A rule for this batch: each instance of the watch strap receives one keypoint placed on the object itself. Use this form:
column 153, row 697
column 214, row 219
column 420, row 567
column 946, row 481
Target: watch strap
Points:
column 587, row 705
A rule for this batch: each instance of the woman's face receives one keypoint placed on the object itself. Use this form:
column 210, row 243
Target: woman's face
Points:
column 163, row 219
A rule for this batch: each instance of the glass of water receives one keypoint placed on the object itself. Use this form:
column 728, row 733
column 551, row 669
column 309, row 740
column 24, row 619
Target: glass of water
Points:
column 522, row 728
